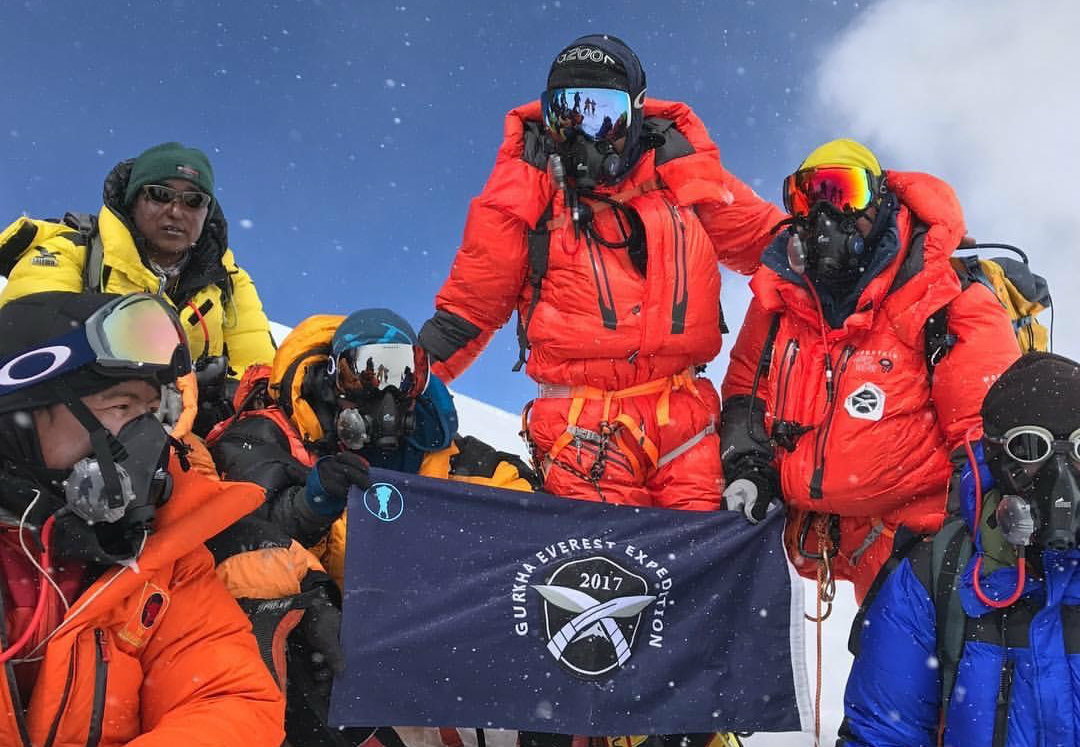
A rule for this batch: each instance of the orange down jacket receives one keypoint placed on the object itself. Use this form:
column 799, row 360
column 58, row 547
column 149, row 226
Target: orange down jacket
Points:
column 598, row 321
column 880, row 445
column 160, row 657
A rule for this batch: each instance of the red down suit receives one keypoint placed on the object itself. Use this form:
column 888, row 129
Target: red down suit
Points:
column 613, row 348
column 875, row 452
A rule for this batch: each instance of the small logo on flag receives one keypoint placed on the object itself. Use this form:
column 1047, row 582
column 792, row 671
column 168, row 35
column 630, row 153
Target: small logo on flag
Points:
column 384, row 501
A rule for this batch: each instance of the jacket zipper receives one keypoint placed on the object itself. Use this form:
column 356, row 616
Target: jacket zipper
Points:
column 600, row 276
column 822, row 435
column 1001, row 706
column 787, row 363
column 13, row 688
column 680, row 298
column 101, row 680
column 63, row 698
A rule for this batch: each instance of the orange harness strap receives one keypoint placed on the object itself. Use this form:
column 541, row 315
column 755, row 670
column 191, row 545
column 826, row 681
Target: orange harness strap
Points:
column 581, row 394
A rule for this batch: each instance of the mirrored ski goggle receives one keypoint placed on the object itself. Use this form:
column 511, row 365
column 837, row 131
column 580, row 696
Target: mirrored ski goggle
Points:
column 600, row 114
column 163, row 195
column 367, row 370
column 846, row 188
column 137, row 334
column 1033, row 444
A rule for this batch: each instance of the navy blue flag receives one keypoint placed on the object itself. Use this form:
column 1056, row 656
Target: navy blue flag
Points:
column 473, row 606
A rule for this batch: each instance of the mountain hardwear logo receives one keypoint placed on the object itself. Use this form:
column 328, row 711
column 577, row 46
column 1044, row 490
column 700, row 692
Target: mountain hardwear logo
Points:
column 383, row 501
column 866, row 403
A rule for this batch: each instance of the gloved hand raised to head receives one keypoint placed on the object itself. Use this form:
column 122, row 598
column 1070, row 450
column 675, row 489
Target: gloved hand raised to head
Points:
column 329, row 481
column 754, row 494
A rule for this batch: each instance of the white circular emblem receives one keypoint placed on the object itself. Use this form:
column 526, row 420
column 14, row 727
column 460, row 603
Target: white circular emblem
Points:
column 866, row 403
column 58, row 353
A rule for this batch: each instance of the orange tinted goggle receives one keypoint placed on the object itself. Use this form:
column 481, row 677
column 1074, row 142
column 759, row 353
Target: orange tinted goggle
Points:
column 846, row 188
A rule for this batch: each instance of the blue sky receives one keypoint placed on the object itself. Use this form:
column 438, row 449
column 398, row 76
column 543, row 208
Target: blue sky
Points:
column 348, row 137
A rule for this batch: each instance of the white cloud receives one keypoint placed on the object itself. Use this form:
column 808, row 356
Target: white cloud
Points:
column 985, row 96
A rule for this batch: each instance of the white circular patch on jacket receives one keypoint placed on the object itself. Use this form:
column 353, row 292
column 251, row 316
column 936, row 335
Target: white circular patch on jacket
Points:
column 866, row 403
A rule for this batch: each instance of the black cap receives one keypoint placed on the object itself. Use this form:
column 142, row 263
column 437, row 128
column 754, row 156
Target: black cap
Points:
column 1038, row 389
column 598, row 61
column 31, row 321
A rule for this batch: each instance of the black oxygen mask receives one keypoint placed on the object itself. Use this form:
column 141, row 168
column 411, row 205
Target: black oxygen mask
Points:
column 1040, row 480
column 834, row 250
column 382, row 421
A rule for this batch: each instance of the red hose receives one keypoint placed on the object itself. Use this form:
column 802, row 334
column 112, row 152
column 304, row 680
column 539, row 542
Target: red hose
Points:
column 43, row 591
column 1021, row 563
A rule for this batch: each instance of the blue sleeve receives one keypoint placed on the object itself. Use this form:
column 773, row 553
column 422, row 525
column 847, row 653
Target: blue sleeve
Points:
column 893, row 694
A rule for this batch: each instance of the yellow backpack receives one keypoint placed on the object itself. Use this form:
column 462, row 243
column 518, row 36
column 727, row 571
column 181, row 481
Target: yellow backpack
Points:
column 1023, row 293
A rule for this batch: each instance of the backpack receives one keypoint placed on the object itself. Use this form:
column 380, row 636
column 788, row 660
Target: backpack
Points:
column 1021, row 292
column 26, row 233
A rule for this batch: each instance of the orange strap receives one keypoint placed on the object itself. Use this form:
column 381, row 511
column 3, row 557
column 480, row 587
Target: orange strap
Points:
column 189, row 394
column 580, row 394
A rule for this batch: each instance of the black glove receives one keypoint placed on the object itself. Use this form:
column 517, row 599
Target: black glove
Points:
column 216, row 392
column 329, row 481
column 320, row 628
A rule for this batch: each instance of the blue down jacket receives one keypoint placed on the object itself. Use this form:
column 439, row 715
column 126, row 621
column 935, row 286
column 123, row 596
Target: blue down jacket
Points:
column 1018, row 679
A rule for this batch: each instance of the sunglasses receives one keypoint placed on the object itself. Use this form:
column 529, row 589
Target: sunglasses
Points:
column 599, row 114
column 847, row 188
column 366, row 371
column 163, row 195
column 1033, row 444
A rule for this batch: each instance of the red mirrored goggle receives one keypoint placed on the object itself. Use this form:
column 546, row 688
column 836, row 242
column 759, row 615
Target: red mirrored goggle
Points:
column 847, row 188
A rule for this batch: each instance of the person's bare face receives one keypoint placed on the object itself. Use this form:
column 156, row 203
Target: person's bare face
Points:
column 64, row 440
column 171, row 228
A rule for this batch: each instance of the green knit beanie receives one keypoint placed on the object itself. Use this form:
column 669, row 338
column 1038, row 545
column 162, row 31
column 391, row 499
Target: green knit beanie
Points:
column 169, row 161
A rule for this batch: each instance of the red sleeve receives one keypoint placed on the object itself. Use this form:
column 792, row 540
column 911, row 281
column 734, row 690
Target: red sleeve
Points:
column 485, row 281
column 985, row 347
column 741, row 230
column 746, row 353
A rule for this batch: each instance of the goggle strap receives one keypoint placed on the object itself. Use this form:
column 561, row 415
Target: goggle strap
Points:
column 107, row 449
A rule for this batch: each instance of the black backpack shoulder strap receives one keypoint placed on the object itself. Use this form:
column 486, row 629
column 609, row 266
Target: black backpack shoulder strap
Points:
column 16, row 245
column 951, row 550
column 667, row 141
column 938, row 339
column 539, row 244
column 94, row 267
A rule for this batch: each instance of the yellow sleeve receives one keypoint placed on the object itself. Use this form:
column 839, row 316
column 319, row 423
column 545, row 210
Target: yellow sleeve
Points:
column 246, row 328
column 330, row 551
column 55, row 264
